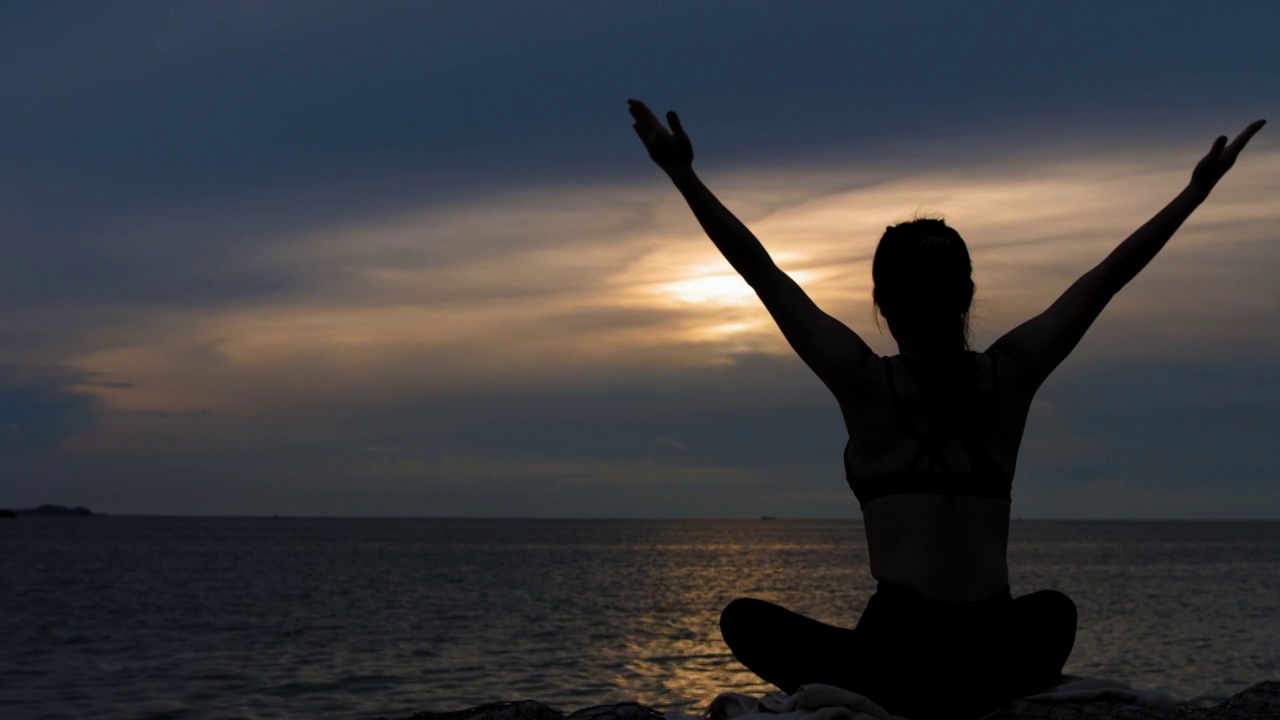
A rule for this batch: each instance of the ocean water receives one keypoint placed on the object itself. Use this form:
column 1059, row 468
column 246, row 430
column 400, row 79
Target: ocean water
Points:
column 344, row 618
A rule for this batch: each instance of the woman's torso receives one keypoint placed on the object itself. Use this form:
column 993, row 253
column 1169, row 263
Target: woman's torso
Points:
column 949, row 547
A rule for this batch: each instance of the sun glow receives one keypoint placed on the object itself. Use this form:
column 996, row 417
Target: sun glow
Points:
column 716, row 288
column 719, row 288
column 598, row 283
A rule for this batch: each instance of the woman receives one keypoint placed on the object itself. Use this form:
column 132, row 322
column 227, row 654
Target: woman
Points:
column 933, row 441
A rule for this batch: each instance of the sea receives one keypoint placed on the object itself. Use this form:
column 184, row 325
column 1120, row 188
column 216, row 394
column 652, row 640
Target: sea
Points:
column 151, row 617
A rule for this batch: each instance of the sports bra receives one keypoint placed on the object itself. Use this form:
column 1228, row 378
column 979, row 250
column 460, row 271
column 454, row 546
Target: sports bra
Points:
column 983, row 480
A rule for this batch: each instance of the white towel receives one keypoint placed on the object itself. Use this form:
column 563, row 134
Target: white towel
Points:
column 1075, row 688
column 809, row 702
column 825, row 702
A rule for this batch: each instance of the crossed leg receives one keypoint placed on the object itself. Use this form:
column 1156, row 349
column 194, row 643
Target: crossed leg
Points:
column 1023, row 657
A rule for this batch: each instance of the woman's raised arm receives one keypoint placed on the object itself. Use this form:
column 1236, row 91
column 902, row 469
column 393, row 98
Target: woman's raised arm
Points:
column 833, row 351
column 1037, row 346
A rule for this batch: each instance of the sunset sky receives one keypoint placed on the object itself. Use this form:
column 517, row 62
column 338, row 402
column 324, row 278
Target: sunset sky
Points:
column 354, row 258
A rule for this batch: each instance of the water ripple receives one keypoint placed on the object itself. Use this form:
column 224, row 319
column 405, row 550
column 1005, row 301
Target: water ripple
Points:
column 216, row 618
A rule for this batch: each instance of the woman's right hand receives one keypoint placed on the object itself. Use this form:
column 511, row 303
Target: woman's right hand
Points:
column 1221, row 157
column 672, row 151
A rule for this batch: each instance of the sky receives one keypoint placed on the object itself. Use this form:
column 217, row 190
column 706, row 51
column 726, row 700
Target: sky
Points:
column 409, row 259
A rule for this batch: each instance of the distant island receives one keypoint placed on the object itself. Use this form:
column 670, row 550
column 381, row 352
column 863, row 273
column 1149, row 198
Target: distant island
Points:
column 48, row 511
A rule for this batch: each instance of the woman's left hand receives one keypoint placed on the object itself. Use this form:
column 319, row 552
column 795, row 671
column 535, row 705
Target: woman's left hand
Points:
column 1221, row 157
column 672, row 151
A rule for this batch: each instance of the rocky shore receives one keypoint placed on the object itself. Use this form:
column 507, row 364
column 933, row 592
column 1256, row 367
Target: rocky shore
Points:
column 49, row 511
column 1260, row 702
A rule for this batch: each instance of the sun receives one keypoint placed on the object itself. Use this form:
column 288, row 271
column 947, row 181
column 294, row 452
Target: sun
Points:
column 716, row 287
column 711, row 289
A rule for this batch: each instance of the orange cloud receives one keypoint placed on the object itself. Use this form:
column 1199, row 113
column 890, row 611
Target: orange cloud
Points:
column 584, row 284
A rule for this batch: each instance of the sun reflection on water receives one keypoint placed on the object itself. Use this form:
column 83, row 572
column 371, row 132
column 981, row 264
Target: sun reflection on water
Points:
column 684, row 673
column 671, row 655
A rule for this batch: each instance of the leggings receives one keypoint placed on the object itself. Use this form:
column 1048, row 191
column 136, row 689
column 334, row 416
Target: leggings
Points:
column 916, row 657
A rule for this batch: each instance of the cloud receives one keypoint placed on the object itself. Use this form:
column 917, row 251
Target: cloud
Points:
column 42, row 407
column 1110, row 497
column 1181, row 437
column 668, row 443
column 563, row 326
column 268, row 238
column 175, row 139
column 583, row 285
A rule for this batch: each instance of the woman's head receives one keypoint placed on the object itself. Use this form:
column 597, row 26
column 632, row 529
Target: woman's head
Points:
column 924, row 284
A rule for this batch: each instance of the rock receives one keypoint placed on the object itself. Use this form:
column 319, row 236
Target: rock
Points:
column 54, row 511
column 1260, row 702
column 1256, row 703
column 518, row 710
column 621, row 711
column 530, row 710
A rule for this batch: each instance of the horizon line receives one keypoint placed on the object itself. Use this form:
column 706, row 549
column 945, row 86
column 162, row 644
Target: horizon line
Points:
column 277, row 516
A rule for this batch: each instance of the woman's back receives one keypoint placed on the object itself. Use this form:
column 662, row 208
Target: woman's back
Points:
column 943, row 534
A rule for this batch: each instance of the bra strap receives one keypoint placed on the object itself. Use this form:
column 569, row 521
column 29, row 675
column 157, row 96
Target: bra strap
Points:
column 944, row 416
column 926, row 441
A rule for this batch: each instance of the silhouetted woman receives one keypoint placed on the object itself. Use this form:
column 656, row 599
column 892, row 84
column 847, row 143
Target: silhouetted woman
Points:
column 933, row 441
